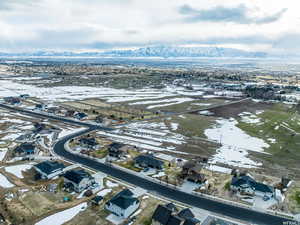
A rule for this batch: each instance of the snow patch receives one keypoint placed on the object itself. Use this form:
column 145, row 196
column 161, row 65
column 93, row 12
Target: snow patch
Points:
column 235, row 144
column 64, row 216
column 18, row 169
column 4, row 182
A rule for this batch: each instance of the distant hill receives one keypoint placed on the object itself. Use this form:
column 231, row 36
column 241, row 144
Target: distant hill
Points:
column 158, row 51
column 165, row 51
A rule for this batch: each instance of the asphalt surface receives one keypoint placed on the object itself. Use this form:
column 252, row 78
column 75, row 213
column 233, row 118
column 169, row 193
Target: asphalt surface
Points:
column 53, row 117
column 239, row 213
column 235, row 212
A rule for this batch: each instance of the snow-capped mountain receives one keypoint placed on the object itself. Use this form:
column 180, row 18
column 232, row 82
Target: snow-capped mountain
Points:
column 157, row 51
column 166, row 51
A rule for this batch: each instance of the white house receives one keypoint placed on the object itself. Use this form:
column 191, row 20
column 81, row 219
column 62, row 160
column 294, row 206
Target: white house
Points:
column 78, row 180
column 123, row 204
column 49, row 169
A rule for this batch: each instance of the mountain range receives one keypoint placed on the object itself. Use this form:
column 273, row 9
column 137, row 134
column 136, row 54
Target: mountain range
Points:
column 156, row 51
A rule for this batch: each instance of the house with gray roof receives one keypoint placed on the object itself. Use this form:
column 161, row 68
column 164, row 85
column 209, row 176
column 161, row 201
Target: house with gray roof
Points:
column 49, row 169
column 148, row 161
column 166, row 215
column 117, row 150
column 123, row 204
column 78, row 180
column 24, row 149
column 248, row 185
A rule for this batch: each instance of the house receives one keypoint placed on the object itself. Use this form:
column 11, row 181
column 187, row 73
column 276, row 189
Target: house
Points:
column 40, row 107
column 24, row 96
column 148, row 161
column 123, row 204
column 49, row 169
column 80, row 115
column 12, row 100
column 117, row 150
column 26, row 137
column 70, row 113
column 164, row 215
column 99, row 119
column 175, row 220
column 191, row 170
column 88, row 142
column 196, row 178
column 53, row 109
column 39, row 127
column 78, row 180
column 161, row 215
column 246, row 184
column 96, row 200
column 171, row 207
column 24, row 149
column 186, row 214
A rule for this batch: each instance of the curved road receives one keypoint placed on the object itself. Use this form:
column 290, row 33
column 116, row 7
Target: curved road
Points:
column 243, row 214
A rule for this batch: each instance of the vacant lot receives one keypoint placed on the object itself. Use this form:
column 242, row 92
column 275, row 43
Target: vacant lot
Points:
column 278, row 127
column 234, row 110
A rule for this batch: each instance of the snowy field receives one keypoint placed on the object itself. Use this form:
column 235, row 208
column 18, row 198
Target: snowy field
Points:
column 104, row 192
column 2, row 153
column 18, row 169
column 4, row 182
column 153, row 98
column 64, row 93
column 235, row 144
column 68, row 131
column 16, row 127
column 167, row 102
column 64, row 216
column 148, row 135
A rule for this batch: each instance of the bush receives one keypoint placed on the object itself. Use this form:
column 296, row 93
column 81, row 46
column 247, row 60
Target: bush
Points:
column 297, row 197
column 147, row 222
column 227, row 186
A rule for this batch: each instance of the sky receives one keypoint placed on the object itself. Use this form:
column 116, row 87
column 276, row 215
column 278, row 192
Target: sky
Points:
column 97, row 25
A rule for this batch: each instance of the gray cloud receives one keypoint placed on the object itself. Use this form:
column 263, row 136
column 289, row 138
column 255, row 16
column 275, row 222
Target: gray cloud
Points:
column 221, row 14
column 11, row 4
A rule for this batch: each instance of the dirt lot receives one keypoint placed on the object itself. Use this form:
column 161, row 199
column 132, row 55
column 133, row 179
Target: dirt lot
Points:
column 233, row 110
column 96, row 107
column 96, row 215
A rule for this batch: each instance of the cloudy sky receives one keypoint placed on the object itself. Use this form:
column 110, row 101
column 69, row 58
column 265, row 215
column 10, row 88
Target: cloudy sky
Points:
column 264, row 25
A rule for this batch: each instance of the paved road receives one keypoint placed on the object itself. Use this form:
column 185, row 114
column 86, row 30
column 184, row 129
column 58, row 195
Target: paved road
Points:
column 53, row 117
column 244, row 214
column 236, row 212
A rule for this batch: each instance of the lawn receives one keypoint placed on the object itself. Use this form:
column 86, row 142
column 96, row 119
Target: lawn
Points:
column 101, row 153
column 191, row 105
column 192, row 125
column 297, row 197
column 129, row 165
column 293, row 198
column 286, row 150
